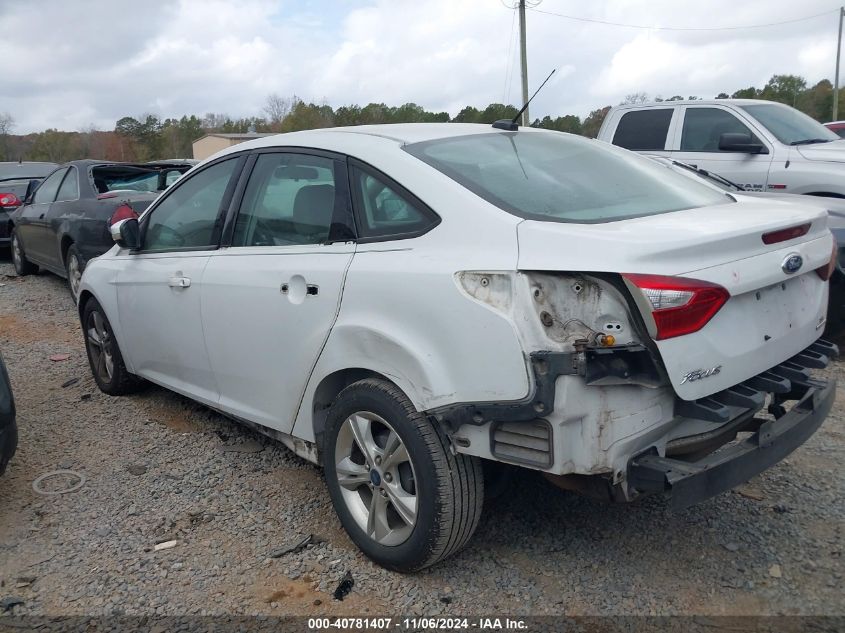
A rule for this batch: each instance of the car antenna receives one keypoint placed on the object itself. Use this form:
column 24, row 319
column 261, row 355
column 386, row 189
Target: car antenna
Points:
column 510, row 124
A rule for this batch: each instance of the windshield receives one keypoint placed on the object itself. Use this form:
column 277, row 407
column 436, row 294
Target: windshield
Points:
column 790, row 126
column 561, row 177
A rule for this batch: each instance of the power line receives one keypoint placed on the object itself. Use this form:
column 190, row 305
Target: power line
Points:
column 678, row 28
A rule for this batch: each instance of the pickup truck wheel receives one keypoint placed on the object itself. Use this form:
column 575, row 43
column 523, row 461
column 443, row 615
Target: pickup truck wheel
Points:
column 400, row 493
column 74, row 268
column 22, row 265
column 104, row 355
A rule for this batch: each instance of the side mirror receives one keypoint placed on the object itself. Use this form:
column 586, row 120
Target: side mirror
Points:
column 126, row 233
column 740, row 142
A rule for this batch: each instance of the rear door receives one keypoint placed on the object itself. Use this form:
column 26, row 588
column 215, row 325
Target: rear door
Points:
column 159, row 288
column 271, row 298
column 700, row 128
column 31, row 223
column 65, row 208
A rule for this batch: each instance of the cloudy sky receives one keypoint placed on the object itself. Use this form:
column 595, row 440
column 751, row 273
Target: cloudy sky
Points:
column 70, row 65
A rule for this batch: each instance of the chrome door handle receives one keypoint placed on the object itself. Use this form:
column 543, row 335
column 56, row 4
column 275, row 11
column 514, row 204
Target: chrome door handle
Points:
column 179, row 282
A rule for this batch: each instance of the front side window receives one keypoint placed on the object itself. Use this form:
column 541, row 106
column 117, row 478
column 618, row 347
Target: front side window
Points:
column 47, row 190
column 70, row 187
column 188, row 216
column 704, row 126
column 562, row 178
column 382, row 211
column 643, row 129
column 290, row 199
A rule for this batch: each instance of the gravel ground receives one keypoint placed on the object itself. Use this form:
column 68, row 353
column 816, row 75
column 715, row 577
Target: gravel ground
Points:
column 159, row 467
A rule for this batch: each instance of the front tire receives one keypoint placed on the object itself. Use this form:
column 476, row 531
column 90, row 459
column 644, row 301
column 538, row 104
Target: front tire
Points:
column 74, row 268
column 400, row 493
column 22, row 265
column 104, row 355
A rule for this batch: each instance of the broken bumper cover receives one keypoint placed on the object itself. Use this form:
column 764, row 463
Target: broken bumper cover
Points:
column 689, row 482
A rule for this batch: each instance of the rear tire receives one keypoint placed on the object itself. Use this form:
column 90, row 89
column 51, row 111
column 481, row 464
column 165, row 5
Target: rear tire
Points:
column 74, row 268
column 22, row 265
column 400, row 493
column 104, row 355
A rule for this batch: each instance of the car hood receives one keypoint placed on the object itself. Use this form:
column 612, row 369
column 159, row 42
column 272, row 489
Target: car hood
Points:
column 832, row 152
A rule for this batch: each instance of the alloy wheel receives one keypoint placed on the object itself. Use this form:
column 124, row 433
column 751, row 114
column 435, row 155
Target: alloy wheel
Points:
column 17, row 256
column 376, row 478
column 74, row 275
column 99, row 341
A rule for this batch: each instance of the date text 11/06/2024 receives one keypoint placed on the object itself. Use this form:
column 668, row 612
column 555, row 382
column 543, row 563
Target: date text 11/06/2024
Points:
column 422, row 623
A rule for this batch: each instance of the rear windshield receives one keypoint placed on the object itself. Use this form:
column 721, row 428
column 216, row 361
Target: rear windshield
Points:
column 561, row 177
column 126, row 177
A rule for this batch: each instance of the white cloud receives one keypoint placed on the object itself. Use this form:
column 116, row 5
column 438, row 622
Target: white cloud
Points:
column 67, row 65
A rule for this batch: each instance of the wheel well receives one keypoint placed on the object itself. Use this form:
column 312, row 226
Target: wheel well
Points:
column 328, row 390
column 84, row 296
column 66, row 243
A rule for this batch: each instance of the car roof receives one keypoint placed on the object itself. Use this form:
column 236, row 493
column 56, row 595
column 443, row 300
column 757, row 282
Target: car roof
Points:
column 396, row 134
column 736, row 102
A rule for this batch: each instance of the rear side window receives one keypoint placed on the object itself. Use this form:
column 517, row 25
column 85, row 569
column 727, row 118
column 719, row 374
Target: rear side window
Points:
column 290, row 199
column 70, row 187
column 643, row 129
column 384, row 211
column 704, row 126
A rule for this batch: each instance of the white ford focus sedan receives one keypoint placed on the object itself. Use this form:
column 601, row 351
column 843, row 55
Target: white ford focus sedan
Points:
column 402, row 304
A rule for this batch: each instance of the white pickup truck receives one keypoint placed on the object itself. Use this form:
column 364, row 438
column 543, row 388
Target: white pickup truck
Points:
column 761, row 145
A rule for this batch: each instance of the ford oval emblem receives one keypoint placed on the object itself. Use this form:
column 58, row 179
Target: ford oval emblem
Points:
column 792, row 263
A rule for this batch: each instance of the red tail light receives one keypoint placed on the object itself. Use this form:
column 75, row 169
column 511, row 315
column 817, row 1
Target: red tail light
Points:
column 8, row 200
column 783, row 235
column 123, row 212
column 679, row 305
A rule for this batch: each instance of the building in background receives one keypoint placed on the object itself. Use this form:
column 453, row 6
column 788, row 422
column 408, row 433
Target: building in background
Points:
column 212, row 143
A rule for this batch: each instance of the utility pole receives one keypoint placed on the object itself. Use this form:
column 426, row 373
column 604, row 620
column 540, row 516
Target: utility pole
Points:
column 524, row 61
column 836, row 78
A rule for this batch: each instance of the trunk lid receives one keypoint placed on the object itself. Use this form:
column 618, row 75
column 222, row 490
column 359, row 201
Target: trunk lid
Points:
column 771, row 314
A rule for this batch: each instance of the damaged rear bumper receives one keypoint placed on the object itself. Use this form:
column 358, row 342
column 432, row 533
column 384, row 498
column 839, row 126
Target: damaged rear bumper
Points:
column 691, row 481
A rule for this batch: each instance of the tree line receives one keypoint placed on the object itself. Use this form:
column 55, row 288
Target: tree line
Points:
column 148, row 137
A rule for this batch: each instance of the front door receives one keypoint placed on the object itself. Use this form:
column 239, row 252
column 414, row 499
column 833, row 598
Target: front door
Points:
column 159, row 288
column 31, row 224
column 699, row 146
column 271, row 298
